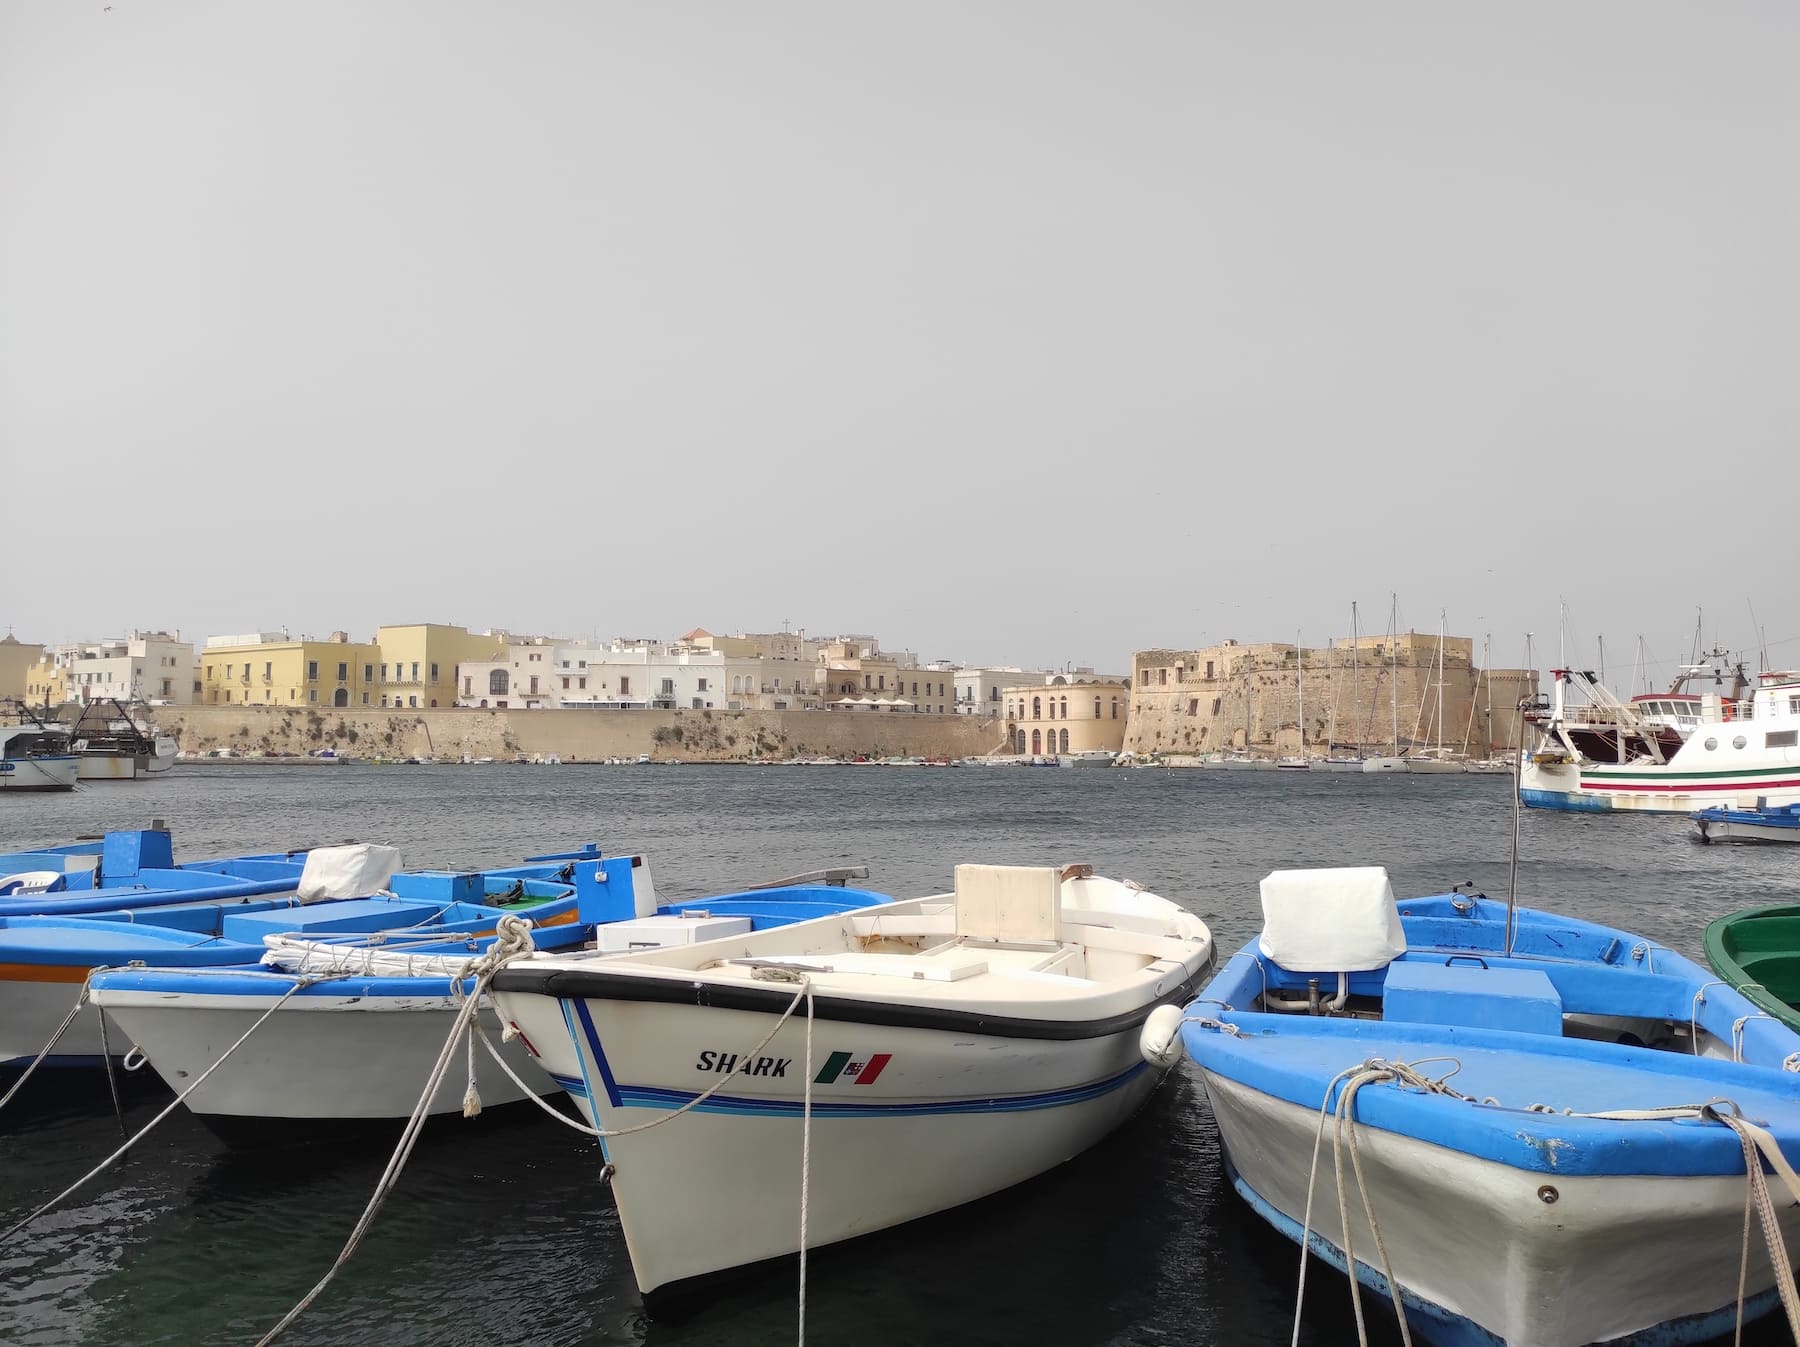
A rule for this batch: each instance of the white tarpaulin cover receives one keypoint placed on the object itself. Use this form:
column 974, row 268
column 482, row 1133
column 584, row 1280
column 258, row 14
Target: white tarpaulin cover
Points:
column 1331, row 921
column 357, row 871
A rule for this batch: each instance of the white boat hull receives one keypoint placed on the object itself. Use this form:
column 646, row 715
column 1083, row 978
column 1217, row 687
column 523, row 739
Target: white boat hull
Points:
column 1480, row 1252
column 1373, row 765
column 32, row 1007
column 47, row 773
column 1433, row 767
column 1550, row 781
column 323, row 1058
column 947, row 1117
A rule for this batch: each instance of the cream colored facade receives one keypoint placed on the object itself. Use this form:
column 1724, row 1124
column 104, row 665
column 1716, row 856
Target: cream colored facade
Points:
column 17, row 664
column 1070, row 713
column 270, row 669
column 417, row 665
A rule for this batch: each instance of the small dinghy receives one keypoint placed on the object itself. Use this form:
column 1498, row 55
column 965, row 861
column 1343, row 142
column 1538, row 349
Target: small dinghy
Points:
column 887, row 1064
column 1764, row 823
column 354, row 1023
column 1538, row 1141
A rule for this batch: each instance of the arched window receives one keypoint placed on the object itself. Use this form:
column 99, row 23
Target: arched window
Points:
column 1063, row 736
column 1037, row 712
column 497, row 681
column 341, row 697
column 1019, row 741
column 1096, row 708
column 1009, row 708
column 1115, row 708
column 1064, row 714
column 1037, row 742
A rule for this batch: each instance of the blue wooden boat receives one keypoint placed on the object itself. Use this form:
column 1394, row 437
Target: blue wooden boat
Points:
column 218, row 914
column 1548, row 1134
column 359, row 1044
column 1764, row 823
column 134, row 869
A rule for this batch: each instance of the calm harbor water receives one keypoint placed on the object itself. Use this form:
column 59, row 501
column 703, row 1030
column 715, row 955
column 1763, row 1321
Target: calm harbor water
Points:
column 502, row 1231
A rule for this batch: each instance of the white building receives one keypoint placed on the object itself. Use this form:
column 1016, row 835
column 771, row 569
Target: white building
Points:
column 151, row 666
column 978, row 690
column 634, row 675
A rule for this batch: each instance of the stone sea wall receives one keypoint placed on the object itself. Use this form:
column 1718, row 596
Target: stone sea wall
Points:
column 574, row 736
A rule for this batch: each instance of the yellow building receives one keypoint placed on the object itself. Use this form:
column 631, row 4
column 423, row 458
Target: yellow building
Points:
column 416, row 665
column 22, row 666
column 1067, row 714
column 270, row 669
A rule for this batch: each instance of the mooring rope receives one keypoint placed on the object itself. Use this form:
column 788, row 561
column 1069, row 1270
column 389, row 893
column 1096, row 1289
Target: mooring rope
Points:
column 173, row 1104
column 513, row 942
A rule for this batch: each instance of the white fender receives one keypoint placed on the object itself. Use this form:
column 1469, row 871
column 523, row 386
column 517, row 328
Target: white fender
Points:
column 1160, row 1039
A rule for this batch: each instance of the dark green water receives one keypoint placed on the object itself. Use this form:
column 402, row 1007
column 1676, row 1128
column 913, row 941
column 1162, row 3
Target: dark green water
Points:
column 502, row 1232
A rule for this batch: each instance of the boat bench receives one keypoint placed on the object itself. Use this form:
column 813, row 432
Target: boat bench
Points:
column 1522, row 1000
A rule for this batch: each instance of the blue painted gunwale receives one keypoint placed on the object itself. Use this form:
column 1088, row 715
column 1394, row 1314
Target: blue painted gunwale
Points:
column 1597, row 970
column 244, row 976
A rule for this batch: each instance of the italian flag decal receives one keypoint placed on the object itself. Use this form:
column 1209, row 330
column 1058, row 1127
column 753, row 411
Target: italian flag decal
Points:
column 847, row 1066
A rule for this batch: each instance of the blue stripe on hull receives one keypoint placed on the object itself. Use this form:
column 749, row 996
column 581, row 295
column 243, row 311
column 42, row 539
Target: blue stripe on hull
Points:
column 1566, row 801
column 643, row 1096
column 1446, row 1328
column 647, row 1096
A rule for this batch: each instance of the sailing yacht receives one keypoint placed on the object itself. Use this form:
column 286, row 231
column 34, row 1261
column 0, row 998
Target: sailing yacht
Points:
column 1436, row 759
column 1391, row 762
column 1333, row 761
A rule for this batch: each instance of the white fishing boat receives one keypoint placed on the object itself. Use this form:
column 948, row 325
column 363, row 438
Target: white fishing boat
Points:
column 345, row 1028
column 35, row 756
column 1594, row 753
column 887, row 1064
column 113, row 742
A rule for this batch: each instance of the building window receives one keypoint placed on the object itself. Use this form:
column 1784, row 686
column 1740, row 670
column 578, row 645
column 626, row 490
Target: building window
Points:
column 365, row 701
column 312, row 694
column 1019, row 741
column 581, row 682
column 565, row 681
column 434, row 672
column 1065, row 709
column 1181, row 673
column 227, row 694
column 1193, row 706
column 1063, row 738
column 343, row 672
column 468, row 685
column 702, row 683
column 1115, row 708
column 268, row 669
column 368, row 674
column 1096, row 708
column 534, row 686
column 412, row 701
column 497, row 681
column 1209, row 671
column 624, row 686
column 1144, row 677
column 415, row 677
column 1037, row 741
column 668, row 687
column 1162, row 676
column 312, row 673
column 1037, row 712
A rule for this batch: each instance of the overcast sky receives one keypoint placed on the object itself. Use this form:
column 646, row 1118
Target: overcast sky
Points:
column 1009, row 332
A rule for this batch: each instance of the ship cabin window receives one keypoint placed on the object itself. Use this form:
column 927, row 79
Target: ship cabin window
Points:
column 1738, row 741
column 1711, row 744
column 1782, row 739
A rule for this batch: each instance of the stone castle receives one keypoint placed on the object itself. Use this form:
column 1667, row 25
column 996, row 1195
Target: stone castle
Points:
column 1368, row 694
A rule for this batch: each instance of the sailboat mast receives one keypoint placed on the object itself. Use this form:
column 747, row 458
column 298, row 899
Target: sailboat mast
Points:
column 1355, row 668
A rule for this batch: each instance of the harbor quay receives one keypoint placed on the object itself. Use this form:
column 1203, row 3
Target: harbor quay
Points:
column 452, row 734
